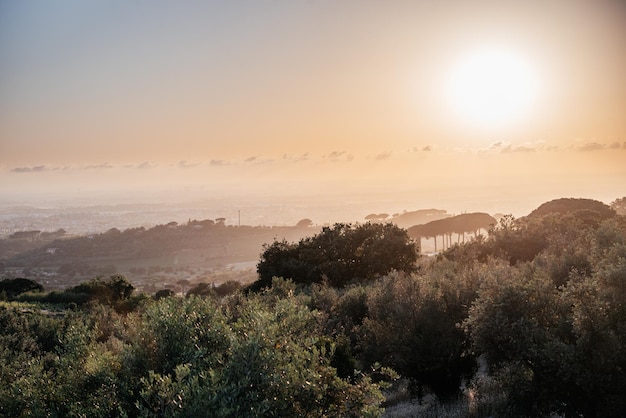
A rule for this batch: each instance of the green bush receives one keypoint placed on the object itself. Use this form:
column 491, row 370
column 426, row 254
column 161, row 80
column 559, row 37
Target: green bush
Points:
column 409, row 328
column 264, row 361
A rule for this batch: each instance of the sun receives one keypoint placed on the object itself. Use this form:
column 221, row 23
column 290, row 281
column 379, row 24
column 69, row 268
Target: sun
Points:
column 492, row 87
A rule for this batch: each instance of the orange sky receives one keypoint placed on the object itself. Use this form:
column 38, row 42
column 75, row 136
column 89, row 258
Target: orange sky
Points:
column 285, row 97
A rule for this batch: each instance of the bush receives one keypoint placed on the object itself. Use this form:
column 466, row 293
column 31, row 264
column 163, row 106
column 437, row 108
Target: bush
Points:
column 267, row 360
column 409, row 329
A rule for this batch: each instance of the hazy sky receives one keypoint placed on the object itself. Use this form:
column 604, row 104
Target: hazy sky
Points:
column 318, row 96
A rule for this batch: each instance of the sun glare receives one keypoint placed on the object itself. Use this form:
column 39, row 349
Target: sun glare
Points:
column 492, row 87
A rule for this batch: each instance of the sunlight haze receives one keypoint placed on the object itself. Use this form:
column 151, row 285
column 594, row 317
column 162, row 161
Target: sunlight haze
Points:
column 486, row 105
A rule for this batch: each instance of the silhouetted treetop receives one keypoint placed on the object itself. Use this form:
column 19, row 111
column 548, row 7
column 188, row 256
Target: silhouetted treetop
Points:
column 418, row 217
column 467, row 222
column 304, row 223
column 568, row 205
column 340, row 255
column 14, row 287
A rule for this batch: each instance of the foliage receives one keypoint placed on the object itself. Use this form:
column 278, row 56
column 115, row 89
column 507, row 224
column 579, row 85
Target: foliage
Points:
column 209, row 289
column 174, row 332
column 556, row 344
column 164, row 293
column 80, row 255
column 304, row 223
column 340, row 255
column 262, row 355
column 14, row 287
column 411, row 327
column 530, row 321
column 619, row 205
column 569, row 205
column 201, row 289
column 116, row 289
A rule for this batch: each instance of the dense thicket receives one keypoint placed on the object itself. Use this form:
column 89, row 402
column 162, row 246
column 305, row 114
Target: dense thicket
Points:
column 177, row 357
column 530, row 321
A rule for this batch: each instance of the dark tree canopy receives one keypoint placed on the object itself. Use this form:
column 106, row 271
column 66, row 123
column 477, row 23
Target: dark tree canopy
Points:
column 418, row 217
column 14, row 287
column 466, row 222
column 304, row 223
column 568, row 205
column 339, row 254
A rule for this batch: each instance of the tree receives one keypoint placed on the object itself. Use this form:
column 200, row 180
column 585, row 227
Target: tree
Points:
column 340, row 254
column 201, row 289
column 566, row 205
column 112, row 292
column 14, row 287
column 373, row 217
column 412, row 327
column 304, row 223
column 460, row 225
column 619, row 206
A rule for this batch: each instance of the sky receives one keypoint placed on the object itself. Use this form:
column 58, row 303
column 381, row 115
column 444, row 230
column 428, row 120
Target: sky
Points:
column 379, row 99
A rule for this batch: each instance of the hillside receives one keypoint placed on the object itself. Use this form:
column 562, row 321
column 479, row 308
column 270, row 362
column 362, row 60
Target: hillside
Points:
column 144, row 254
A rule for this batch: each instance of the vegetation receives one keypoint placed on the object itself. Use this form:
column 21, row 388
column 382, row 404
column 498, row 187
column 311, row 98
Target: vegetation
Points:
column 13, row 287
column 340, row 255
column 619, row 206
column 466, row 223
column 568, row 205
column 529, row 321
column 205, row 242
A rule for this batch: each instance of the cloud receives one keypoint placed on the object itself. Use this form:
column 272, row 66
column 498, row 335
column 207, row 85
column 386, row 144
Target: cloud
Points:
column 383, row 156
column 504, row 147
column 616, row 145
column 185, row 164
column 337, row 156
column 98, row 166
column 251, row 159
column 146, row 165
column 591, row 146
column 217, row 163
column 426, row 148
column 497, row 145
column 494, row 147
column 33, row 169
column 522, row 148
column 304, row 157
